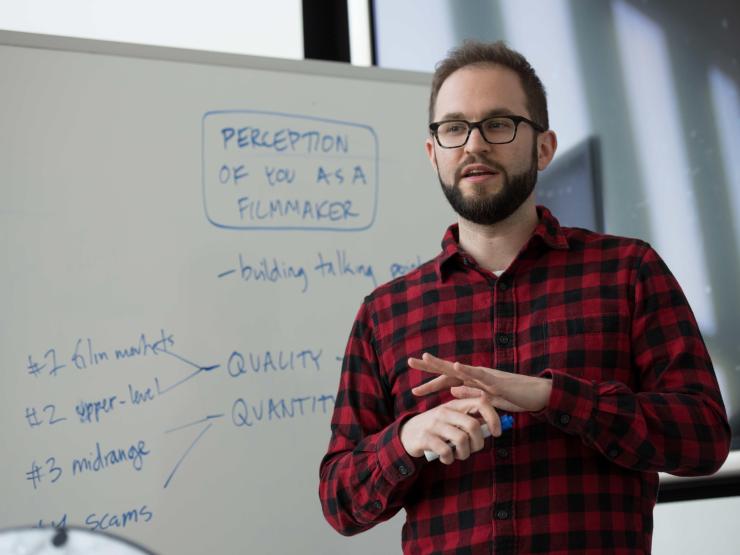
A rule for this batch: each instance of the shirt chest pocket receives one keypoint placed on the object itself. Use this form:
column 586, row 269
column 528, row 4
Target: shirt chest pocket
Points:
column 590, row 346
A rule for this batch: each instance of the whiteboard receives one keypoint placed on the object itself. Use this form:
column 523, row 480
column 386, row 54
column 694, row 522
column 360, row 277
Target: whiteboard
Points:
column 186, row 239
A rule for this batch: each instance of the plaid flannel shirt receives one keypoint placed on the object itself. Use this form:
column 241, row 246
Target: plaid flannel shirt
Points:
column 634, row 393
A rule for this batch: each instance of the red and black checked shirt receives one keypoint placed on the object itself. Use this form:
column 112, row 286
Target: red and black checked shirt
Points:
column 634, row 393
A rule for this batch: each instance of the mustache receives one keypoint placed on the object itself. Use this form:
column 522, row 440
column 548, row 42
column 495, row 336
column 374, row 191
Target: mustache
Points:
column 477, row 160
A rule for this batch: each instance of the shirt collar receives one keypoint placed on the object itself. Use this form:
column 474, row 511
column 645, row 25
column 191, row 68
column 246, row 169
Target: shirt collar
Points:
column 548, row 230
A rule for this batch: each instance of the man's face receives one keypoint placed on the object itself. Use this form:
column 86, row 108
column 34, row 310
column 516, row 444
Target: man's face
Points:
column 485, row 183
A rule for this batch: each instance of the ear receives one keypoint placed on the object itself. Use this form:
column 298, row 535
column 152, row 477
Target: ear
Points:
column 429, row 147
column 547, row 144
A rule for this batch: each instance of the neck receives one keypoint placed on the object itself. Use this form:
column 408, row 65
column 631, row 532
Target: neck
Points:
column 494, row 247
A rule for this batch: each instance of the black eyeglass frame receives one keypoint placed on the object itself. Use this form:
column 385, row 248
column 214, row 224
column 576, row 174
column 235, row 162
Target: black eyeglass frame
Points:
column 434, row 126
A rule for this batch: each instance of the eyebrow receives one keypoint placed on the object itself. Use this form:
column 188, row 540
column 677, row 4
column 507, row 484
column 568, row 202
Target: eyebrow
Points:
column 489, row 114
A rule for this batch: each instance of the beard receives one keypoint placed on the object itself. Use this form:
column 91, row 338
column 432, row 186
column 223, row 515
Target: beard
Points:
column 490, row 209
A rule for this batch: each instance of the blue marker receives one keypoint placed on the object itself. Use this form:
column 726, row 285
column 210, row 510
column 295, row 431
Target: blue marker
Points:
column 507, row 422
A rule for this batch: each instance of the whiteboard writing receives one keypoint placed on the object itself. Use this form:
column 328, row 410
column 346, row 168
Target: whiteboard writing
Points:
column 302, row 273
column 97, row 459
column 84, row 356
column 273, row 361
column 104, row 521
column 267, row 170
column 244, row 413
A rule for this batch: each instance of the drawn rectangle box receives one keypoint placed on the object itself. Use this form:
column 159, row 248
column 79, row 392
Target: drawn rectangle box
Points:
column 275, row 171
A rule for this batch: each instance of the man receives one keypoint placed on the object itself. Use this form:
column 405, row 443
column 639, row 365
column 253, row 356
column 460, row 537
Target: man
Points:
column 586, row 339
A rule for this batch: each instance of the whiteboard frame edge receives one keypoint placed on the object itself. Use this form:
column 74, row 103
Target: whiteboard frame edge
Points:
column 184, row 55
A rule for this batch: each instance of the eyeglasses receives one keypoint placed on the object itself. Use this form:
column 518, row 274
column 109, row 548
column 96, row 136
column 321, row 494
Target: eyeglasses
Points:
column 496, row 130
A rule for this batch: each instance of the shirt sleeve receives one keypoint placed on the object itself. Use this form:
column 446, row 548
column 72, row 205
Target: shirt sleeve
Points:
column 676, row 422
column 366, row 470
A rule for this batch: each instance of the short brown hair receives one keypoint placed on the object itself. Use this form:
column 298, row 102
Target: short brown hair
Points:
column 495, row 53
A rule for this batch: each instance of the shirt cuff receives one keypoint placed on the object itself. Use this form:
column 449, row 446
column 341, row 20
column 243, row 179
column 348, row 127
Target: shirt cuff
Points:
column 571, row 405
column 395, row 463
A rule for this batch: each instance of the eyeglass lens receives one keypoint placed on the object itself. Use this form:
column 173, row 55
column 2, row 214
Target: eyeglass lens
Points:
column 495, row 130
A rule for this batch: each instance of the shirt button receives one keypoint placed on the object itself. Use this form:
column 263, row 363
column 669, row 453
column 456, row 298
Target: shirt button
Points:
column 502, row 453
column 564, row 419
column 503, row 339
column 502, row 514
column 613, row 453
column 503, row 285
column 403, row 470
column 377, row 505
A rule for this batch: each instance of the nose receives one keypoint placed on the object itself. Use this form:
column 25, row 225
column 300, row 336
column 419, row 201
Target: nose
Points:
column 476, row 142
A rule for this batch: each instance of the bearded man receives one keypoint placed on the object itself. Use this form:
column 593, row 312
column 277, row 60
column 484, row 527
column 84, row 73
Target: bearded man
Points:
column 585, row 341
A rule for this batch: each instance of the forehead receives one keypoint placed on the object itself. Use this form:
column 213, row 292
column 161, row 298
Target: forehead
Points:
column 475, row 91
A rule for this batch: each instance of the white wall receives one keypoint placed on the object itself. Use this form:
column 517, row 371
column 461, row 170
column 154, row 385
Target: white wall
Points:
column 273, row 28
column 708, row 526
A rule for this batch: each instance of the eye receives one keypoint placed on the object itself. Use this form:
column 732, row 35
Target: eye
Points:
column 453, row 128
column 498, row 124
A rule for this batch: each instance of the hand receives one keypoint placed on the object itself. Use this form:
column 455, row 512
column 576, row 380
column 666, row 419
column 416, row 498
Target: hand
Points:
column 451, row 422
column 505, row 391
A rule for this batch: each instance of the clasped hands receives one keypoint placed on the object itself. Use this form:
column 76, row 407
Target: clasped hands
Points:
column 453, row 429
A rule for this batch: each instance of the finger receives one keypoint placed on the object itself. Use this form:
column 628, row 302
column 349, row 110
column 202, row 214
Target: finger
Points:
column 471, row 392
column 424, row 365
column 438, row 365
column 471, row 389
column 443, row 449
column 475, row 435
column 459, row 438
column 429, row 363
column 448, row 441
column 419, row 364
column 433, row 365
column 492, row 419
column 482, row 406
column 485, row 376
column 466, row 392
column 468, row 375
column 469, row 425
column 437, row 384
